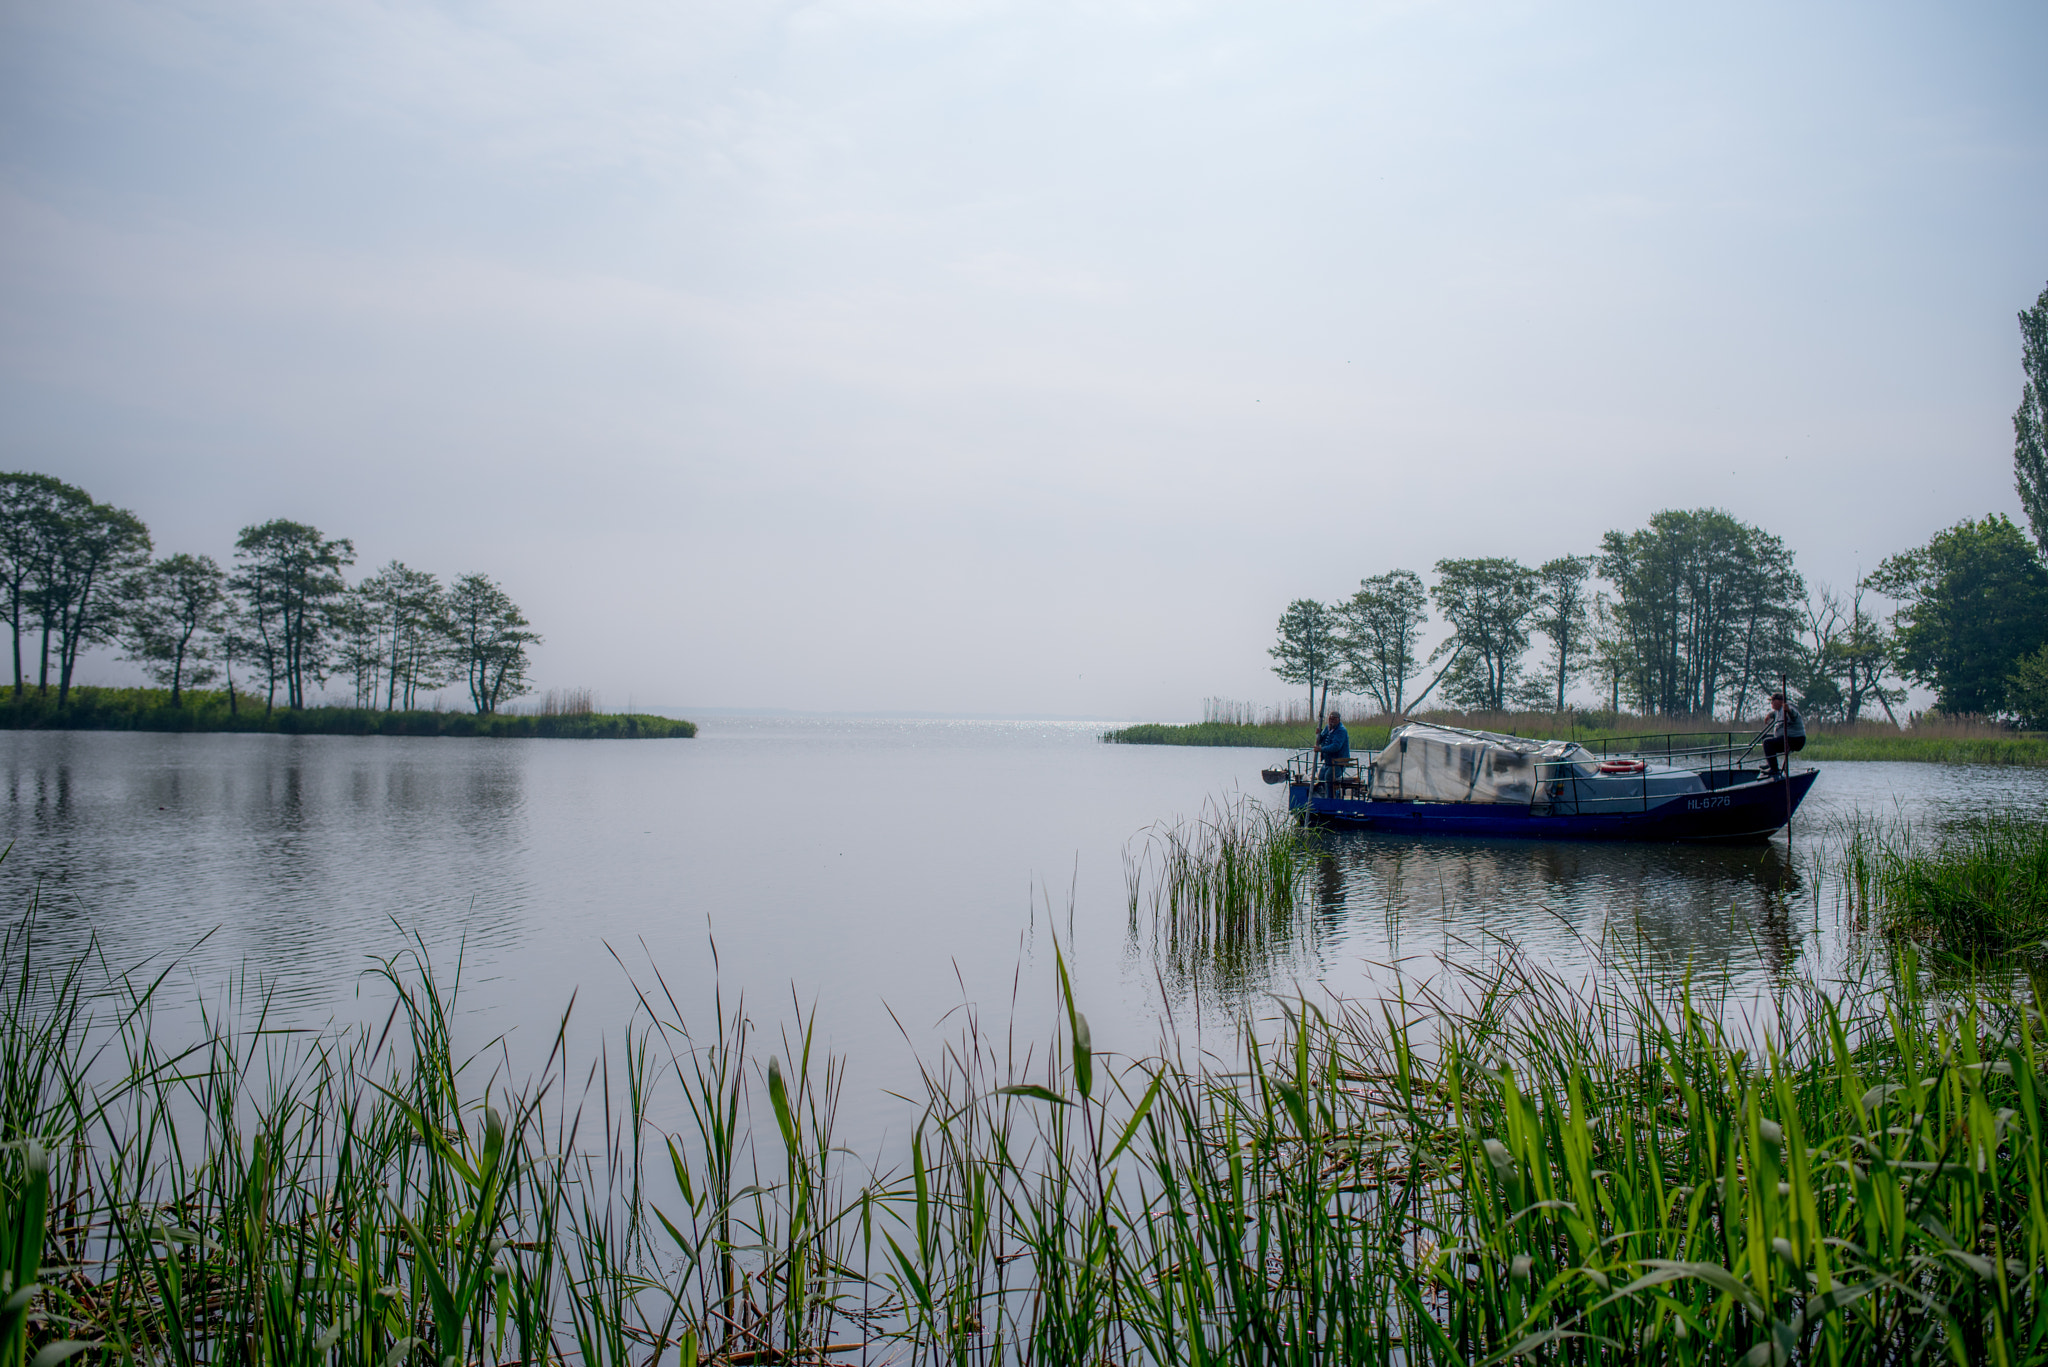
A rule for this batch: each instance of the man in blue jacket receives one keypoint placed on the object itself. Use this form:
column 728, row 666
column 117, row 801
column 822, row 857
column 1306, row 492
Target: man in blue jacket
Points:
column 1333, row 743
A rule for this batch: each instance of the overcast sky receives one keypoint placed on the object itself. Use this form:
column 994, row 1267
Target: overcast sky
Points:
column 1010, row 358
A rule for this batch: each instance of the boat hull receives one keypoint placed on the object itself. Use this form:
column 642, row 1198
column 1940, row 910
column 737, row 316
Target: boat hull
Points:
column 1739, row 812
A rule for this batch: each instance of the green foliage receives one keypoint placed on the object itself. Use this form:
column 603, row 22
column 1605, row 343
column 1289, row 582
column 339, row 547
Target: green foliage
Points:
column 1219, row 892
column 1843, row 658
column 174, row 614
column 1564, row 616
column 1527, row 1169
column 2030, row 422
column 1489, row 604
column 1377, row 629
column 2027, row 690
column 1973, row 888
column 65, row 560
column 490, row 639
column 1306, row 652
column 1501, row 1165
column 1706, row 613
column 150, row 709
column 1974, row 603
column 408, row 610
column 290, row 581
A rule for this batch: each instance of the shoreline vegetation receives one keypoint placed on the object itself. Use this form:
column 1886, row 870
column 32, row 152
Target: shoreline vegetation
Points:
column 1930, row 738
column 208, row 710
column 1493, row 1163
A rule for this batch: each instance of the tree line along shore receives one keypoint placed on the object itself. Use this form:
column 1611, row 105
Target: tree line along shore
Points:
column 559, row 717
column 1699, row 614
column 1929, row 738
column 272, row 629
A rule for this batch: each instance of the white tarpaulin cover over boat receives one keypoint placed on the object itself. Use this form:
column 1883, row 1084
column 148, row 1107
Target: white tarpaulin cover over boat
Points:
column 1424, row 763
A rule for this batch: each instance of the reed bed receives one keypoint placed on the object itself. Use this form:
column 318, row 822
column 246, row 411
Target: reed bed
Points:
column 1220, row 871
column 1491, row 1164
column 372, row 1198
column 1218, row 895
column 1971, row 888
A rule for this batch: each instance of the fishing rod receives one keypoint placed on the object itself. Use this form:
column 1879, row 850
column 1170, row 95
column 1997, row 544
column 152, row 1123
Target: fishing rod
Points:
column 1785, row 738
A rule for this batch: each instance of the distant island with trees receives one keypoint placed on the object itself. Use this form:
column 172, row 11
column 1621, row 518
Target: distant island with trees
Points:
column 76, row 573
column 1701, row 617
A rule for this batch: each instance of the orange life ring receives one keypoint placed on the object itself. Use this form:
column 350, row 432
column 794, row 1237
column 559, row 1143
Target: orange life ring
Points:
column 1622, row 766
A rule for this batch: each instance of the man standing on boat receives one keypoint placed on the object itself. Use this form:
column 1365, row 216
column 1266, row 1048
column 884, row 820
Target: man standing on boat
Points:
column 1784, row 733
column 1333, row 743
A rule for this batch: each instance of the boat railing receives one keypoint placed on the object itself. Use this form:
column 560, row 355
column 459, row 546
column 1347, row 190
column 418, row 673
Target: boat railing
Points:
column 1308, row 766
column 1670, row 745
column 1720, row 758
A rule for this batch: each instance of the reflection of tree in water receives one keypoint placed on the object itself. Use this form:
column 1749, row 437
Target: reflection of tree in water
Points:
column 1668, row 908
column 266, row 849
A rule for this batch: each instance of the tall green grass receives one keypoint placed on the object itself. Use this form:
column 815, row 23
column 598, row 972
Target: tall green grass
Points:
column 1492, row 1165
column 1217, row 894
column 1971, row 888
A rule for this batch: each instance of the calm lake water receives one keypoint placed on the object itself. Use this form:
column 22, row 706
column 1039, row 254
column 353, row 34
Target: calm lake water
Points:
column 885, row 872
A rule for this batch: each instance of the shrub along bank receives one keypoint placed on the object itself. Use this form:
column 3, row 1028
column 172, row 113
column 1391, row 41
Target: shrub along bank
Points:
column 149, row 709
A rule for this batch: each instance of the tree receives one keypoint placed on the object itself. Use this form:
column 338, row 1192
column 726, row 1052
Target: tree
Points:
column 1843, row 655
column 2027, row 690
column 290, row 581
column 490, row 637
column 1306, row 652
column 1706, row 607
column 412, row 613
column 28, row 505
column 174, row 620
column 1563, row 615
column 1973, row 602
column 1488, row 604
column 87, row 552
column 1611, row 662
column 1375, row 636
column 2030, row 423
column 1863, row 657
column 358, row 642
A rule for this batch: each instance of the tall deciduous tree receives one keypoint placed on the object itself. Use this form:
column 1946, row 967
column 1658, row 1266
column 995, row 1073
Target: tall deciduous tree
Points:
column 1973, row 602
column 1377, row 630
column 2026, row 690
column 89, row 551
column 1563, row 616
column 357, row 636
column 412, row 613
column 1306, row 652
column 1489, row 604
column 1843, row 655
column 290, row 580
column 1707, row 610
column 490, row 637
column 28, row 504
column 174, row 621
column 2030, row 423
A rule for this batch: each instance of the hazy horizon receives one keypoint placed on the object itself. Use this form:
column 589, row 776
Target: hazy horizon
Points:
column 996, row 359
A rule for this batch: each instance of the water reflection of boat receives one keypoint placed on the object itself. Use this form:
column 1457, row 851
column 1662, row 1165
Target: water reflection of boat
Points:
column 1442, row 780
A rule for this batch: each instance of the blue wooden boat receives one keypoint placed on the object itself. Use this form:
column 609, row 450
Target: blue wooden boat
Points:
column 1444, row 780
